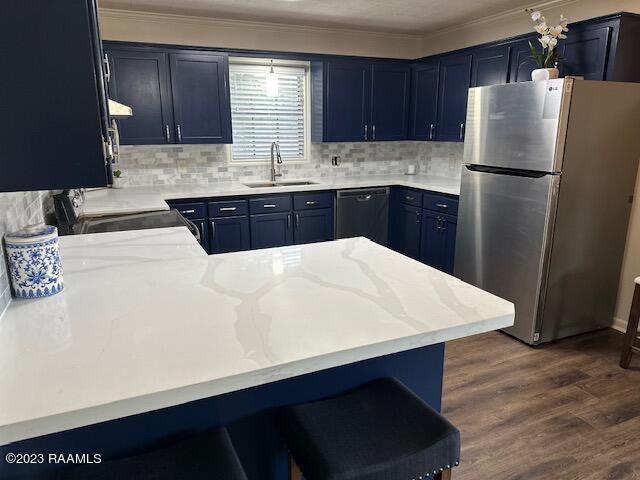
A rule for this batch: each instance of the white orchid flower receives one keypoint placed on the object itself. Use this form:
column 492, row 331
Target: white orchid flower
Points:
column 535, row 16
column 562, row 36
column 544, row 40
column 552, row 43
column 555, row 31
column 542, row 28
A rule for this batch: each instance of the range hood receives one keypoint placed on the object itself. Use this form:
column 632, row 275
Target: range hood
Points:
column 118, row 110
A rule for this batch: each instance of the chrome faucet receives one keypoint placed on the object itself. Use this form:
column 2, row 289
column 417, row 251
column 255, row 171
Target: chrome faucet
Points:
column 276, row 161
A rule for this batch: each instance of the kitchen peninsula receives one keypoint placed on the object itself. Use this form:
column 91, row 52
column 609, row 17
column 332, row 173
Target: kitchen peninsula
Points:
column 144, row 344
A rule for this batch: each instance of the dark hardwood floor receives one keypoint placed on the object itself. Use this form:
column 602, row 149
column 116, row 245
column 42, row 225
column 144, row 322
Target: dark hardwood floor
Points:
column 561, row 411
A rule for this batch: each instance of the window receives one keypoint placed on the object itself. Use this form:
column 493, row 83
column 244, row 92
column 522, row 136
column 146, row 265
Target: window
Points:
column 262, row 114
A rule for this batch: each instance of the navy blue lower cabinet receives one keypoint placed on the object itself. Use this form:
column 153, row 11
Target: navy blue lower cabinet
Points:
column 405, row 229
column 271, row 230
column 229, row 234
column 438, row 241
column 203, row 229
column 313, row 225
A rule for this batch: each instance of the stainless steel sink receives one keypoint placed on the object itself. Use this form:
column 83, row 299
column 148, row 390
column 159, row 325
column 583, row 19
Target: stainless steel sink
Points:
column 283, row 183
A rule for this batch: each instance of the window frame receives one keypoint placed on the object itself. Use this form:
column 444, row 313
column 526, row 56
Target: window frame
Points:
column 266, row 62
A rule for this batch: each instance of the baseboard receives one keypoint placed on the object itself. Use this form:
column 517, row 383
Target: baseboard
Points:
column 619, row 324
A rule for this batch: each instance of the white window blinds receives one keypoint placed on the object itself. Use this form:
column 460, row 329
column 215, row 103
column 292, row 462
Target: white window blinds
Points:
column 259, row 119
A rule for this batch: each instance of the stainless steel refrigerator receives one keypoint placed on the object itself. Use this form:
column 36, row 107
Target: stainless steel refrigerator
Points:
column 547, row 184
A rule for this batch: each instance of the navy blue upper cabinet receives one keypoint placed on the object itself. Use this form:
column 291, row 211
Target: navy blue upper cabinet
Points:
column 389, row 101
column 453, row 90
column 52, row 101
column 490, row 66
column 140, row 79
column 347, row 94
column 201, row 106
column 521, row 63
column 271, row 230
column 424, row 101
column 585, row 52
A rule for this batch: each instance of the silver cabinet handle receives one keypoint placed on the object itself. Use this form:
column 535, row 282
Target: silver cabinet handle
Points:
column 228, row 209
column 365, row 132
column 418, row 216
column 363, row 198
column 179, row 134
column 311, row 203
column 374, row 131
column 431, row 130
column 107, row 68
column 269, row 205
column 297, row 221
column 462, row 131
column 289, row 222
column 167, row 134
column 213, row 229
column 191, row 210
column 442, row 205
column 407, row 197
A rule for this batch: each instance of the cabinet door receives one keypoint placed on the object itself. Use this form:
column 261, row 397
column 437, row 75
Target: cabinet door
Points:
column 229, row 234
column 347, row 97
column 585, row 52
column 313, row 225
column 490, row 66
column 520, row 60
column 437, row 247
column 52, row 100
column 424, row 101
column 140, row 79
column 453, row 89
column 405, row 229
column 389, row 101
column 201, row 105
column 271, row 230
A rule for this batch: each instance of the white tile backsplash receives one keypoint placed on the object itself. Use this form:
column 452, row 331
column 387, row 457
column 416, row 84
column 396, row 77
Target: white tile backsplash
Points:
column 184, row 164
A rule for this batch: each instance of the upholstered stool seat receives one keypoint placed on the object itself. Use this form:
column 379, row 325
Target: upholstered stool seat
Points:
column 381, row 431
column 208, row 455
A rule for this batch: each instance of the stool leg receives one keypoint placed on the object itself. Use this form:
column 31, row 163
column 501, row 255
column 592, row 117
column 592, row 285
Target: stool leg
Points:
column 294, row 470
column 444, row 475
column 632, row 329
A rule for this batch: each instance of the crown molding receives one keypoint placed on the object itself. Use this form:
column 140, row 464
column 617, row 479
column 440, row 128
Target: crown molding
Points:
column 154, row 17
column 502, row 16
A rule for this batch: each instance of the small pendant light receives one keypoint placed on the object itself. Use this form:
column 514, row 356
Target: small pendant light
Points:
column 272, row 82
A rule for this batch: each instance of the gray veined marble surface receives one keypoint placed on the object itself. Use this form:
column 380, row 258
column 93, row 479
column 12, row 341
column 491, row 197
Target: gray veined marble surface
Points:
column 133, row 333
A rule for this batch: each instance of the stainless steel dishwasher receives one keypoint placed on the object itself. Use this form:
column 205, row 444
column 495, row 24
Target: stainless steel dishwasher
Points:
column 363, row 213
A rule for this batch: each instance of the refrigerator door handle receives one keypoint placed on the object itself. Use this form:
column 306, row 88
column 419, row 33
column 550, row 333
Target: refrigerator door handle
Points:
column 506, row 171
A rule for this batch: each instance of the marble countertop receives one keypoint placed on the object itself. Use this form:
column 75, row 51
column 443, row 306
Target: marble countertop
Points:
column 146, row 322
column 150, row 198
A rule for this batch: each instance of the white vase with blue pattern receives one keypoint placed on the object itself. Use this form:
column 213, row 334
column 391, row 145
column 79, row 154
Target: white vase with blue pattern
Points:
column 34, row 261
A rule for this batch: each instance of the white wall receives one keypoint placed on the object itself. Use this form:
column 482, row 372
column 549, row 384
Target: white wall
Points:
column 187, row 30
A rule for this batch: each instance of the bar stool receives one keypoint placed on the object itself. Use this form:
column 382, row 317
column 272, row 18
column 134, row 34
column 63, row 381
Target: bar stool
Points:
column 380, row 431
column 631, row 341
column 209, row 455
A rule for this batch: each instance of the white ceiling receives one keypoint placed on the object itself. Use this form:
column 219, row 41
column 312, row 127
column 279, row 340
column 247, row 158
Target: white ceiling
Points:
column 398, row 16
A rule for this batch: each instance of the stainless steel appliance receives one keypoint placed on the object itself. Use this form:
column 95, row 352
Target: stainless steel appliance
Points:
column 548, row 177
column 363, row 213
column 68, row 205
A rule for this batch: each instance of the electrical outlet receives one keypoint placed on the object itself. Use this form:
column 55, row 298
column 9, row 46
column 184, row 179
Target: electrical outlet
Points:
column 336, row 160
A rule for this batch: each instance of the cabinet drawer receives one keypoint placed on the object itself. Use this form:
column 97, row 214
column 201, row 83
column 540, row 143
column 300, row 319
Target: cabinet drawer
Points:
column 408, row 196
column 307, row 201
column 227, row 208
column 189, row 210
column 440, row 203
column 281, row 203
